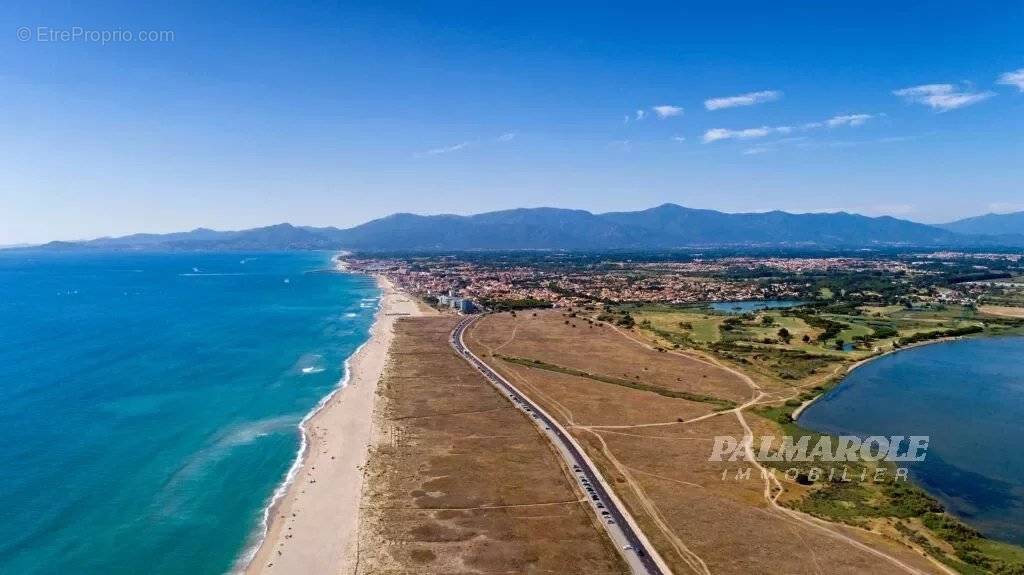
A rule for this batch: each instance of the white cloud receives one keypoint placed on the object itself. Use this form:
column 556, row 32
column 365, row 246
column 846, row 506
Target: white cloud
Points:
column 942, row 97
column 678, row 138
column 717, row 134
column 640, row 115
column 666, row 111
column 445, row 150
column 1015, row 78
column 748, row 99
column 848, row 120
column 506, row 137
column 851, row 120
column 1005, row 207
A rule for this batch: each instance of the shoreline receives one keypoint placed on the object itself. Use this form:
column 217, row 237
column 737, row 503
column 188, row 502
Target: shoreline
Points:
column 251, row 550
column 310, row 524
column 803, row 406
column 936, row 491
column 289, row 479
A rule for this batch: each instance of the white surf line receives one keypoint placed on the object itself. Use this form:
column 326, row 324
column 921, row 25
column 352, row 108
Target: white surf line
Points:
column 299, row 462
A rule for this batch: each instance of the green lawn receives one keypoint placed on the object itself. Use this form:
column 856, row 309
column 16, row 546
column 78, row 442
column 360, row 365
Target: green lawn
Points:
column 702, row 328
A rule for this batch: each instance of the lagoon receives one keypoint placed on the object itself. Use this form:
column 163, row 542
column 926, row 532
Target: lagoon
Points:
column 740, row 307
column 968, row 396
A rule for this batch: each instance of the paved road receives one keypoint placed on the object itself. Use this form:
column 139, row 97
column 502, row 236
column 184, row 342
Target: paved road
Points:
column 621, row 527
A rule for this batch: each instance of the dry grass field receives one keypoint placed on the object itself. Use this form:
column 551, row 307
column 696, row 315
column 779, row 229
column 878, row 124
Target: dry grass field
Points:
column 1005, row 311
column 654, row 449
column 461, row 482
column 596, row 348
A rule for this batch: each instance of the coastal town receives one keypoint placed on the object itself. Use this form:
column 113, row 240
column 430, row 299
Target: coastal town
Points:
column 471, row 283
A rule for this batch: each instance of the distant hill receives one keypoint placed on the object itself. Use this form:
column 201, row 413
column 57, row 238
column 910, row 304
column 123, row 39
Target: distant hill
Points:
column 538, row 228
column 664, row 227
column 196, row 235
column 270, row 238
column 676, row 225
column 988, row 224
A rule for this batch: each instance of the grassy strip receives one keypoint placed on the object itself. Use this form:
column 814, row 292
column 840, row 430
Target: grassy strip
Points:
column 927, row 335
column 538, row 364
column 856, row 502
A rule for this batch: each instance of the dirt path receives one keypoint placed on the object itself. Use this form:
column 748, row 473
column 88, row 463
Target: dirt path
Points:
column 688, row 556
column 773, row 487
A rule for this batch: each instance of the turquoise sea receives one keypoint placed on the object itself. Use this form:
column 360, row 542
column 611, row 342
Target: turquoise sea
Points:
column 149, row 403
column 968, row 396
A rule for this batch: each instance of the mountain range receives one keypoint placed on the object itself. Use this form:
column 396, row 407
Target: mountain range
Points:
column 664, row 227
column 988, row 224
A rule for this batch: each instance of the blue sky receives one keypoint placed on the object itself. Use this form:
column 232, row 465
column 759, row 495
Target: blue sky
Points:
column 246, row 114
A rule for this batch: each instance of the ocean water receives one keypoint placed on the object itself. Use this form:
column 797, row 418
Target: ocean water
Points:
column 968, row 396
column 149, row 403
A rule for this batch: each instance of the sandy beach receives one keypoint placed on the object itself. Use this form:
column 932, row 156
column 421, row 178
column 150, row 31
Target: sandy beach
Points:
column 313, row 528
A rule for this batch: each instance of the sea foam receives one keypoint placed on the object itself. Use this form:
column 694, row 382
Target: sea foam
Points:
column 250, row 551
